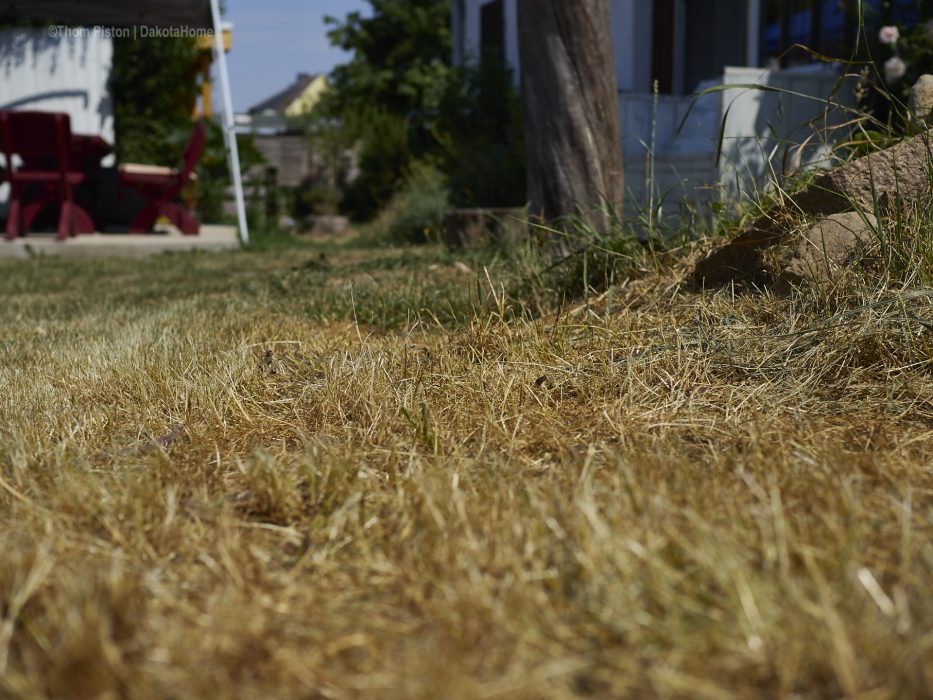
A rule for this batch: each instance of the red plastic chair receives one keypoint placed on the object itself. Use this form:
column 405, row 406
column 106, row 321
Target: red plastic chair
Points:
column 42, row 140
column 161, row 187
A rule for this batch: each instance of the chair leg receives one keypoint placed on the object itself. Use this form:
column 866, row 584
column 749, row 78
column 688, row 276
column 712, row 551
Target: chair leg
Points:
column 66, row 221
column 182, row 218
column 14, row 220
column 31, row 211
column 146, row 219
column 188, row 223
column 82, row 220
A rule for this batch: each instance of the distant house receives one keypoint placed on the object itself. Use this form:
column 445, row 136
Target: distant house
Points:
column 277, row 131
column 686, row 46
column 273, row 114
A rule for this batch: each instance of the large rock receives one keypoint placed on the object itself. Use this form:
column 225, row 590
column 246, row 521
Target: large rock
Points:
column 320, row 224
column 824, row 250
column 900, row 173
column 902, row 170
column 921, row 100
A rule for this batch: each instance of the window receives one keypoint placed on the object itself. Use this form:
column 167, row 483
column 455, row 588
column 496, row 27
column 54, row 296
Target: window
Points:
column 715, row 36
column 828, row 27
column 693, row 41
column 492, row 30
column 662, row 45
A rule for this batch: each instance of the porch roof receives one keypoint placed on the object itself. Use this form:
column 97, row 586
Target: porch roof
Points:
column 117, row 13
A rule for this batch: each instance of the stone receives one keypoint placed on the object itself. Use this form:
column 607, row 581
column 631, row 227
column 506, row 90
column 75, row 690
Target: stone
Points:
column 827, row 247
column 902, row 170
column 921, row 100
column 318, row 224
column 473, row 228
column 901, row 173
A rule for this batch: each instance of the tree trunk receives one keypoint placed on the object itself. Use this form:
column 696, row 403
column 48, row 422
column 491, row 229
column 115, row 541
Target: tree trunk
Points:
column 570, row 95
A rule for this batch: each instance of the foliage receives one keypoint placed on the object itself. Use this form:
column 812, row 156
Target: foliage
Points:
column 153, row 115
column 152, row 106
column 332, row 148
column 388, row 93
column 400, row 57
column 214, row 170
column 383, row 153
column 415, row 213
column 314, row 197
column 398, row 100
column 907, row 53
column 480, row 136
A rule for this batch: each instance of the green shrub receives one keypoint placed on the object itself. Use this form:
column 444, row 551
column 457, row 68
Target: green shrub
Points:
column 152, row 111
column 415, row 214
column 151, row 106
column 213, row 168
column 480, row 137
column 383, row 152
column 398, row 100
column 313, row 198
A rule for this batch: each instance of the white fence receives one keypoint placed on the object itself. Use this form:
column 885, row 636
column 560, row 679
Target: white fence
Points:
column 764, row 129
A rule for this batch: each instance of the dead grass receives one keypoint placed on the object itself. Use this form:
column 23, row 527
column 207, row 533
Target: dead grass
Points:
column 230, row 476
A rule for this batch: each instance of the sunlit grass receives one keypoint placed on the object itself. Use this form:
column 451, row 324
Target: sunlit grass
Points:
column 325, row 472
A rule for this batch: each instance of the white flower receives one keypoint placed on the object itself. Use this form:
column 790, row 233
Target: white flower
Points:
column 889, row 35
column 894, row 69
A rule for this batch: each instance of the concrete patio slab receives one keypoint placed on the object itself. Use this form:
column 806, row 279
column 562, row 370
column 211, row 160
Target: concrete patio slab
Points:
column 123, row 245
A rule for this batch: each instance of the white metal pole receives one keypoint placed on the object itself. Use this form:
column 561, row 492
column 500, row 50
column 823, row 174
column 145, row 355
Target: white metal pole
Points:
column 229, row 125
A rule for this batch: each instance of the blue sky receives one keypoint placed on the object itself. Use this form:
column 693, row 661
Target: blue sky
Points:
column 273, row 40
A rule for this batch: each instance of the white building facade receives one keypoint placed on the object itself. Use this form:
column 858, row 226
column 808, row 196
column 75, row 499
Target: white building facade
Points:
column 670, row 139
column 59, row 70
column 54, row 70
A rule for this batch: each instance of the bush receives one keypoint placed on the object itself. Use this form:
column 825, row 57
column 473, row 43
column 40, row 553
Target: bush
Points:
column 480, row 137
column 152, row 112
column 383, row 153
column 906, row 54
column 151, row 106
column 415, row 214
column 313, row 197
column 213, row 168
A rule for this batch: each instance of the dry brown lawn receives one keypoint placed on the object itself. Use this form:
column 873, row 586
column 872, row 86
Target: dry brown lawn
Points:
column 272, row 475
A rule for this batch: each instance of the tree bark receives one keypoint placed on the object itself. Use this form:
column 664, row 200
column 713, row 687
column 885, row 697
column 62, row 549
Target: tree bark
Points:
column 571, row 102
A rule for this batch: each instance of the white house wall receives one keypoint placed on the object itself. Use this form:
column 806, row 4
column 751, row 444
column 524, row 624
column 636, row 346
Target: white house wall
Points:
column 683, row 130
column 59, row 74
